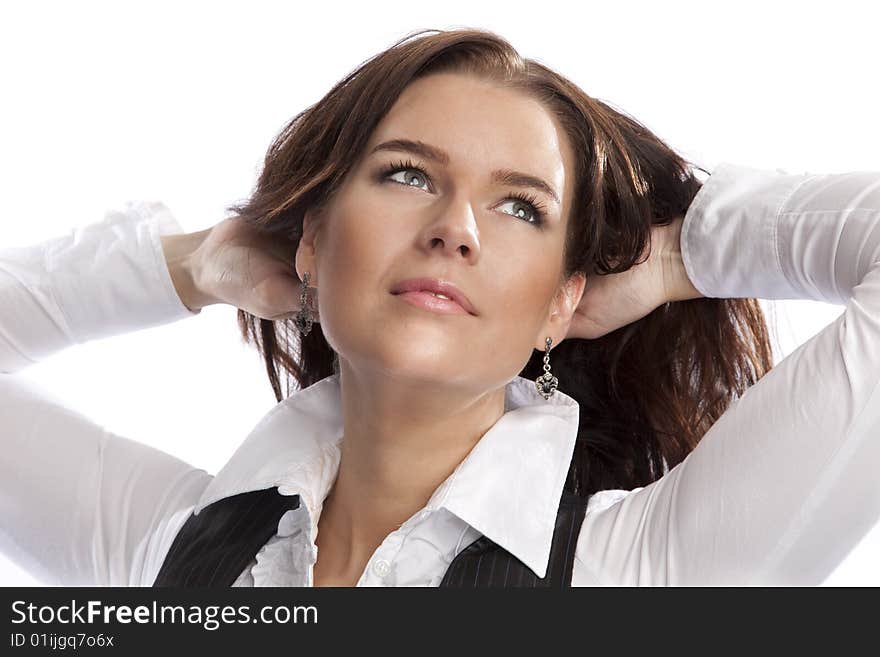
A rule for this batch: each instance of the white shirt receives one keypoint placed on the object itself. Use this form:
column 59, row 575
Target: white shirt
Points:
column 777, row 492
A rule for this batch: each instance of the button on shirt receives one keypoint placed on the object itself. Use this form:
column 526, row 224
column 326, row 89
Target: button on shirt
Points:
column 777, row 492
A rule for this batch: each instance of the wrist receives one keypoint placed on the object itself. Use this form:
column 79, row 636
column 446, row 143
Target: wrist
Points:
column 181, row 258
column 677, row 284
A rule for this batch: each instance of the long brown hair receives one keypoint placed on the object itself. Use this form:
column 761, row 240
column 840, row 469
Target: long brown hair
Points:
column 647, row 391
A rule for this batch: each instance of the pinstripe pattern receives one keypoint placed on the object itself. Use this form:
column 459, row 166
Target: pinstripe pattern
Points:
column 213, row 548
column 223, row 538
column 484, row 563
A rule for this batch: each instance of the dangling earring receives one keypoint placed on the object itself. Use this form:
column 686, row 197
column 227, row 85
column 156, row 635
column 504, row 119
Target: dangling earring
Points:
column 303, row 319
column 547, row 383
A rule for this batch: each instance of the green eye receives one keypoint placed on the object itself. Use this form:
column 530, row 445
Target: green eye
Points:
column 526, row 211
column 409, row 178
column 527, row 207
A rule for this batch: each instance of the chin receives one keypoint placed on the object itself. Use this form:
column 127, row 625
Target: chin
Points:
column 417, row 348
column 400, row 359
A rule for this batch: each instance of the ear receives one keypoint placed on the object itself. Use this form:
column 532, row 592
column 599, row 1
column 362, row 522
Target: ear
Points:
column 306, row 251
column 562, row 311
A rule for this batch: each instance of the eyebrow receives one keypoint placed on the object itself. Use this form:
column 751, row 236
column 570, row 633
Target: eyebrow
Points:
column 499, row 176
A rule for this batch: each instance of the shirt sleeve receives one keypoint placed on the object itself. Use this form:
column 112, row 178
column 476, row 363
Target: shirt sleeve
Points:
column 78, row 504
column 99, row 280
column 787, row 481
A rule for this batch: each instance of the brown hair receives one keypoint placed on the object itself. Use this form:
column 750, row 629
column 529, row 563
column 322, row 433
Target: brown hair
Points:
column 647, row 391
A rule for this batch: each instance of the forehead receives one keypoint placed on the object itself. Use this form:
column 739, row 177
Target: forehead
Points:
column 482, row 126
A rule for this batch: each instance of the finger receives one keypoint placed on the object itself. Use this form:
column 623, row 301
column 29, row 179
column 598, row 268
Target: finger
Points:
column 277, row 295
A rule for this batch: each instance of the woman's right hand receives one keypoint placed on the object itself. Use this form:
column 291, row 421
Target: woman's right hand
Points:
column 235, row 263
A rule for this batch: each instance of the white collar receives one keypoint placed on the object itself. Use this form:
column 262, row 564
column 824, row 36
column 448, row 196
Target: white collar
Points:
column 507, row 488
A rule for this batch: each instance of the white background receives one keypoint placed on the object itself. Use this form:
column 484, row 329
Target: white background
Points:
column 172, row 101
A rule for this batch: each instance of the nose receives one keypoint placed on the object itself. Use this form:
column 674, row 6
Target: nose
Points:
column 453, row 230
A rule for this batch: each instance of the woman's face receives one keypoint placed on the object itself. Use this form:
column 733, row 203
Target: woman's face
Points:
column 452, row 219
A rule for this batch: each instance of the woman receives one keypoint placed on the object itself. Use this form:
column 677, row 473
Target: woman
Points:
column 526, row 343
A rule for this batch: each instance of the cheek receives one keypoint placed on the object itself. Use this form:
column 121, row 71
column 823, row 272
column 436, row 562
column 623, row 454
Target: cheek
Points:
column 522, row 282
column 353, row 249
column 353, row 269
column 523, row 309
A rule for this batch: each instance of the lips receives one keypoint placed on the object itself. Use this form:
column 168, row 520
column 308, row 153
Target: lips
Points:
column 435, row 285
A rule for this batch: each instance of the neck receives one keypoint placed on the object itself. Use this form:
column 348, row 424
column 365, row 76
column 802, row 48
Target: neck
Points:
column 402, row 439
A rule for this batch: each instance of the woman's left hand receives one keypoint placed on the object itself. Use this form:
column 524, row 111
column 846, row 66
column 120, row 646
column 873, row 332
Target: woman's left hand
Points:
column 615, row 300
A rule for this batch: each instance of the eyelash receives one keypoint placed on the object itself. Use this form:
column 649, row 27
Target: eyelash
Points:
column 538, row 211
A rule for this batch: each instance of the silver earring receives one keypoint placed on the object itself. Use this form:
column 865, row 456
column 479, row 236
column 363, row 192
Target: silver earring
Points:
column 304, row 316
column 547, row 383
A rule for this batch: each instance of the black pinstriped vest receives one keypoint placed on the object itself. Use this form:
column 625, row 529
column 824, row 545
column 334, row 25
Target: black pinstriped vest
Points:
column 214, row 547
